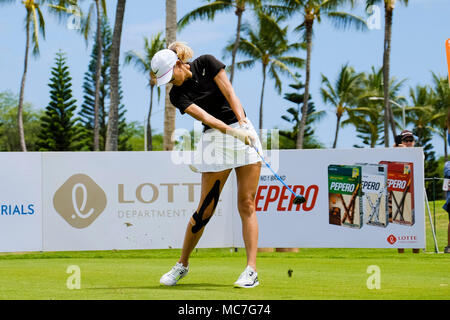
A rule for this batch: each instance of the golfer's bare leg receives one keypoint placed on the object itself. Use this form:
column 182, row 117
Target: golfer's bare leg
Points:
column 247, row 182
column 209, row 180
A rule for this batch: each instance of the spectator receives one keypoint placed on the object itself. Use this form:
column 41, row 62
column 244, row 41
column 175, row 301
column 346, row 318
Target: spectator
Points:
column 405, row 139
column 446, row 206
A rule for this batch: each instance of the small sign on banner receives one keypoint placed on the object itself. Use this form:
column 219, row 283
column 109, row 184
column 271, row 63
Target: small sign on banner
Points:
column 446, row 185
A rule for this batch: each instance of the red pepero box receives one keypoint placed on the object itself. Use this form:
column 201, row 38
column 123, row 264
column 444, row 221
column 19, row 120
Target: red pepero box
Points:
column 400, row 187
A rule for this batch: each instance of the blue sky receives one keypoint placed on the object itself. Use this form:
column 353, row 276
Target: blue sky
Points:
column 418, row 39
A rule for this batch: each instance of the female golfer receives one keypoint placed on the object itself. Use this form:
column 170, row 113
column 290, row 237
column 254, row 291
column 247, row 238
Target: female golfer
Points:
column 202, row 89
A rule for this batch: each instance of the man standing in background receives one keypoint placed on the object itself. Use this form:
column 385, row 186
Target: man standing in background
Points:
column 447, row 176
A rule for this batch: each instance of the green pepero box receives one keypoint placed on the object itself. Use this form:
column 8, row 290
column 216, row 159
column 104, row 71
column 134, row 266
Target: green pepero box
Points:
column 345, row 196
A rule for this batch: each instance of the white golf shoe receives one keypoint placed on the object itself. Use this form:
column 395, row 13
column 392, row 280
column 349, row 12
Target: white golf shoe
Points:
column 177, row 273
column 247, row 279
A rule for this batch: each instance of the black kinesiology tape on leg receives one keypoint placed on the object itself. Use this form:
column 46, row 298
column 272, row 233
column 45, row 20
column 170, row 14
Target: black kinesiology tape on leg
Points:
column 213, row 195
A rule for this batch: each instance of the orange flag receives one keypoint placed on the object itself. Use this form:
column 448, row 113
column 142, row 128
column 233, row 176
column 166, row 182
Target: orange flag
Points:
column 447, row 49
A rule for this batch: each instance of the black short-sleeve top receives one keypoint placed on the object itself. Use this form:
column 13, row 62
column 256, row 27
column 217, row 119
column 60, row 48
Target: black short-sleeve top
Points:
column 202, row 90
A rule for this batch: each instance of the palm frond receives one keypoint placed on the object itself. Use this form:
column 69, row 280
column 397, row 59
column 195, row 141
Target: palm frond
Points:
column 138, row 59
column 247, row 64
column 292, row 62
column 34, row 20
column 332, row 5
column 207, row 12
column 344, row 20
column 249, row 49
column 61, row 9
column 280, row 10
column 274, row 75
column 41, row 22
column 279, row 65
column 87, row 23
column 157, row 42
column 328, row 93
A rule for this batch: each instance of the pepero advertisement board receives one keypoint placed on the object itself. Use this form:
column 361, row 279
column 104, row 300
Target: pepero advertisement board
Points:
column 346, row 202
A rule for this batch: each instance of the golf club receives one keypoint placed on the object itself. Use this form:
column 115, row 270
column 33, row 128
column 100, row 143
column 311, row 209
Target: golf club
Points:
column 298, row 198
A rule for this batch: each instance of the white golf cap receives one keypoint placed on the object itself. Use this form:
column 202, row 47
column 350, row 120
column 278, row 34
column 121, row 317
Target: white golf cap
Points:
column 162, row 65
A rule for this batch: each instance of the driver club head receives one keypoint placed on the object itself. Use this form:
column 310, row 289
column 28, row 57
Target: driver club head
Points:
column 299, row 199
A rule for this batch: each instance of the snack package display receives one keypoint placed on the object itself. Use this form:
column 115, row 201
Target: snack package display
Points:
column 344, row 196
column 374, row 194
column 400, row 189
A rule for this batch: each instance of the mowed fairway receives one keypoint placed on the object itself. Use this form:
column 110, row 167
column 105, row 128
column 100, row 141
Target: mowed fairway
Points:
column 315, row 274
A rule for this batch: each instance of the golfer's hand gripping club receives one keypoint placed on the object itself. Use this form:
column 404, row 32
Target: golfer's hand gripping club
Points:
column 242, row 134
column 298, row 198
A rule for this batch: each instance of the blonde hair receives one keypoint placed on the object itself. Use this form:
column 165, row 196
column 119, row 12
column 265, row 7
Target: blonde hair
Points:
column 184, row 52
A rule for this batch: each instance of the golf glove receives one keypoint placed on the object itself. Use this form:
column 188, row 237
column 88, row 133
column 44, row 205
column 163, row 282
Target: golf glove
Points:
column 242, row 134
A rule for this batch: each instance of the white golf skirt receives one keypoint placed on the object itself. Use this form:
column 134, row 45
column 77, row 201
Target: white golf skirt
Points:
column 217, row 151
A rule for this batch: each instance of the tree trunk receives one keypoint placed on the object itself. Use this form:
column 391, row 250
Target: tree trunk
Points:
column 388, row 118
column 98, row 70
column 113, row 115
column 22, row 89
column 149, row 126
column 448, row 119
column 261, row 103
column 170, row 111
column 338, row 123
column 445, row 145
column 302, row 124
column 239, row 12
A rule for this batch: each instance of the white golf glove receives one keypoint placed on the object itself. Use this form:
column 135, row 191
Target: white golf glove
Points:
column 242, row 134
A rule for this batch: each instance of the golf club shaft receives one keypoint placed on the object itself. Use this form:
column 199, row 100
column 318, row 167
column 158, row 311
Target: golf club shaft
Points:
column 276, row 176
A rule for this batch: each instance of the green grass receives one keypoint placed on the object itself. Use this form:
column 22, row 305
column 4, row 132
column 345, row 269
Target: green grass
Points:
column 317, row 273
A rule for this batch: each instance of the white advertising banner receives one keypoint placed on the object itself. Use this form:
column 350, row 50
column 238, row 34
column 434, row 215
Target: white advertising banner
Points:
column 357, row 198
column 20, row 201
column 124, row 200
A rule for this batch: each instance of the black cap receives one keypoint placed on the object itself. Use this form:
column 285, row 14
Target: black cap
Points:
column 405, row 134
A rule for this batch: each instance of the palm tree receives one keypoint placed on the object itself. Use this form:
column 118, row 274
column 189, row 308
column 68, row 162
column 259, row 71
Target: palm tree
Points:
column 142, row 63
column 367, row 115
column 389, row 6
column 34, row 26
column 342, row 96
column 268, row 45
column 170, row 111
column 210, row 10
column 33, row 19
column 441, row 105
column 422, row 115
column 113, row 116
column 368, row 123
column 311, row 11
column 100, row 10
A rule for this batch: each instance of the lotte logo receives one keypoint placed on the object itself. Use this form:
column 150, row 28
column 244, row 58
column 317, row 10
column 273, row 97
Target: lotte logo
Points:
column 391, row 239
column 79, row 201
